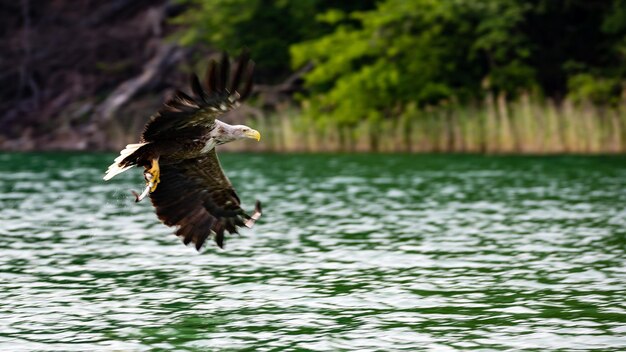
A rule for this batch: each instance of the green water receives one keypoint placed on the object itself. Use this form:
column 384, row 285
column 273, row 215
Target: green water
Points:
column 364, row 252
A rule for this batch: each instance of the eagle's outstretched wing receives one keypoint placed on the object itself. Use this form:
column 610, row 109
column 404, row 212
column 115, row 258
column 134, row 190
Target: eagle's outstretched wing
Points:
column 222, row 91
column 197, row 198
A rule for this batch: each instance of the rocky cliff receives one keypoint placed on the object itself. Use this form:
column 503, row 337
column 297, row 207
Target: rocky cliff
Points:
column 83, row 74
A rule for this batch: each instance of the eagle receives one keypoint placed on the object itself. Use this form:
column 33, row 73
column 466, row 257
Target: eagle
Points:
column 183, row 175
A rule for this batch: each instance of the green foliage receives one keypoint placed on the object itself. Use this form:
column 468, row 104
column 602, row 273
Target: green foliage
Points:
column 421, row 51
column 598, row 90
column 266, row 27
column 615, row 25
column 615, row 21
column 377, row 59
column 428, row 52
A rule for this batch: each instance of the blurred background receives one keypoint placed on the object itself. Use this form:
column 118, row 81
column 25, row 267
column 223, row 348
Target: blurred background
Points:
column 539, row 76
column 355, row 251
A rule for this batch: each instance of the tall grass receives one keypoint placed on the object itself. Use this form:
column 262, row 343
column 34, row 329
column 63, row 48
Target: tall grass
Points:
column 525, row 126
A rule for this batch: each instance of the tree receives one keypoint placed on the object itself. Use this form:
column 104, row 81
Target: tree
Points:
column 376, row 63
column 420, row 52
column 266, row 27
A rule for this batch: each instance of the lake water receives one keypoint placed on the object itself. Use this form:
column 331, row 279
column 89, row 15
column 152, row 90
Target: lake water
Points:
column 353, row 252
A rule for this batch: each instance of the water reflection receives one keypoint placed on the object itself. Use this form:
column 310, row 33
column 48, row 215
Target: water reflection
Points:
column 353, row 252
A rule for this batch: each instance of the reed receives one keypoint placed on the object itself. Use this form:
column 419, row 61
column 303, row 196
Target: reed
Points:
column 496, row 125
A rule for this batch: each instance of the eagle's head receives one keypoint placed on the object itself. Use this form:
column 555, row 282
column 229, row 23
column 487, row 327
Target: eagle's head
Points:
column 242, row 131
column 224, row 133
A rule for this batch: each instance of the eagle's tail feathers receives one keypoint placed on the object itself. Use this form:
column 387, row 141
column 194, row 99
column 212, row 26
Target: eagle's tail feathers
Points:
column 118, row 167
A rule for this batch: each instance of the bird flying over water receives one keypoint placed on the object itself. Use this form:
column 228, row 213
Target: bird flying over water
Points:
column 184, row 179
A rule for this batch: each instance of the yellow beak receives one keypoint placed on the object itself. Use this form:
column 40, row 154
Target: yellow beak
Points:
column 254, row 134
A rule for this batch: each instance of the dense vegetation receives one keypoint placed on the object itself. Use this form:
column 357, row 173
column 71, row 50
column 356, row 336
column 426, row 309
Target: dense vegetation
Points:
column 394, row 52
column 396, row 59
column 449, row 75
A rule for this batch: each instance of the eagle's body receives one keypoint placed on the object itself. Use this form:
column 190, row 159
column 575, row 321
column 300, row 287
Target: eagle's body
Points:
column 184, row 178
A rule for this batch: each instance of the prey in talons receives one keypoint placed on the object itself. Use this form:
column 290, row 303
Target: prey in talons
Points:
column 150, row 186
column 251, row 220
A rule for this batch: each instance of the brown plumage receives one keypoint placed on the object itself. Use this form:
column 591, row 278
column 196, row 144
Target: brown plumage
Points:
column 186, row 114
column 187, row 185
column 196, row 196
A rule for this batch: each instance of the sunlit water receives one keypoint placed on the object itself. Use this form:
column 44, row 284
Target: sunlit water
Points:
column 365, row 252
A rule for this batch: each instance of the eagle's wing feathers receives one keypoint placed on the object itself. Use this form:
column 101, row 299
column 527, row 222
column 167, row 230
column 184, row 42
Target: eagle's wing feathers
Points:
column 198, row 198
column 223, row 91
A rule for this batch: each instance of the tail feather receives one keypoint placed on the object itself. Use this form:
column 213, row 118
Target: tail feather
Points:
column 116, row 168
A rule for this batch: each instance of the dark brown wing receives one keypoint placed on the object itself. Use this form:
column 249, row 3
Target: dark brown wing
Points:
column 197, row 198
column 223, row 90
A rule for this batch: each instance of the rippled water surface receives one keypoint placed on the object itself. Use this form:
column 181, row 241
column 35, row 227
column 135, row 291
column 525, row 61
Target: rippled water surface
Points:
column 362, row 252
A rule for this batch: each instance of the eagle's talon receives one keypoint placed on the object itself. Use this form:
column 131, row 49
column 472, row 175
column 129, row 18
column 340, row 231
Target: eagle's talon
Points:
column 152, row 175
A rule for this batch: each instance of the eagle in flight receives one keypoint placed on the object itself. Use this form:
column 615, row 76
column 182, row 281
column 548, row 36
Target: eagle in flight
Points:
column 184, row 179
